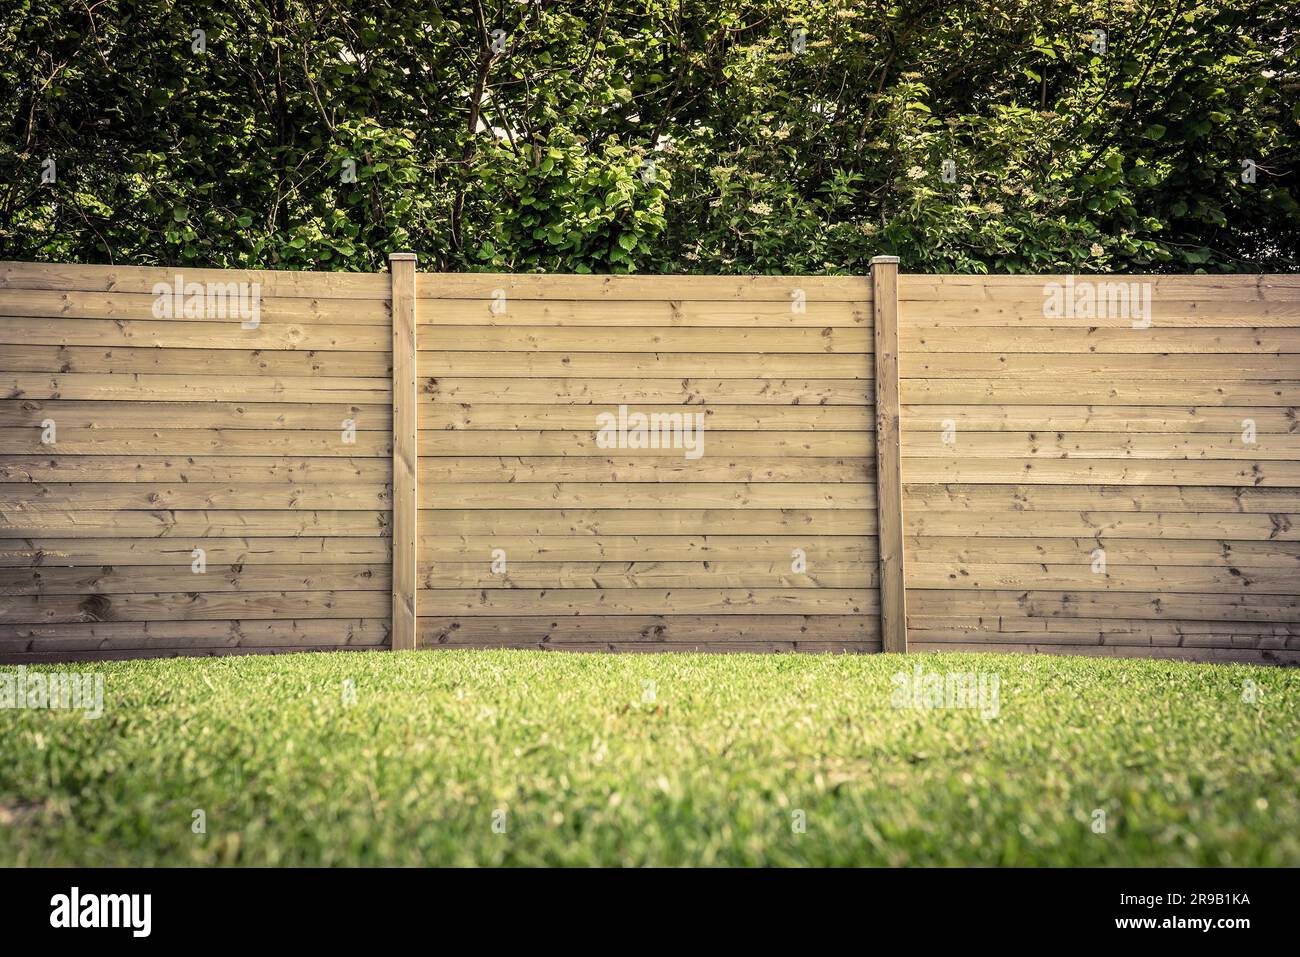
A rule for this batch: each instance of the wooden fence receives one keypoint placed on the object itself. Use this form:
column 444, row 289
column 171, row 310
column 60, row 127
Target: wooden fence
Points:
column 199, row 461
column 1121, row 479
column 629, row 548
column 130, row 440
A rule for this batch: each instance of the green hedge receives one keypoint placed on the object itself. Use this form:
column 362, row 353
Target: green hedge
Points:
column 653, row 136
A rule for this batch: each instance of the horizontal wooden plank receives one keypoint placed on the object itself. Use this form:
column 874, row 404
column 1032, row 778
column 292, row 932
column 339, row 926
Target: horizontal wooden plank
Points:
column 1101, row 445
column 1073, row 471
column 147, row 387
column 87, row 414
column 1210, row 293
column 625, row 466
column 1131, row 631
column 160, row 637
column 255, row 469
column 1101, row 418
column 638, row 339
column 194, row 362
column 1147, row 579
column 81, row 496
column 164, row 334
column 194, row 526
column 73, row 304
column 711, row 573
column 649, row 629
column 612, row 392
column 640, row 495
column 673, row 313
column 816, row 550
column 73, row 552
column 100, row 441
column 1123, row 551
column 925, row 642
column 194, row 606
column 620, row 365
column 1106, row 497
column 450, row 602
column 737, row 418
column 490, row 286
column 142, row 279
column 667, row 521
column 1104, row 638
column 925, row 338
column 111, row 580
column 1048, row 391
column 701, row 647
column 1164, row 314
column 818, row 444
column 1083, row 604
column 130, row 654
column 1202, row 525
column 1014, row 367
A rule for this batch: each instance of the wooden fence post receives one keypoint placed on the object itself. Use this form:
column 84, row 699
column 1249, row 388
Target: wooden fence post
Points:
column 889, row 459
column 401, row 267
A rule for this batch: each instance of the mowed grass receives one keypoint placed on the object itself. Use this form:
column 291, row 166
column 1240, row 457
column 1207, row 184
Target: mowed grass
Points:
column 673, row 759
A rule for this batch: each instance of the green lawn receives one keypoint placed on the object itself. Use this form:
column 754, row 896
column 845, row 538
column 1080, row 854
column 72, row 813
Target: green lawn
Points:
column 588, row 770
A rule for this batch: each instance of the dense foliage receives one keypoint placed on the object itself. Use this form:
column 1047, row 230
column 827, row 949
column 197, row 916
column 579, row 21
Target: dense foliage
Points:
column 649, row 135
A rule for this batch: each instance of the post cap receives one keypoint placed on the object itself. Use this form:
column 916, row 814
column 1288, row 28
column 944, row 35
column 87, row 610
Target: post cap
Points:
column 884, row 260
column 402, row 257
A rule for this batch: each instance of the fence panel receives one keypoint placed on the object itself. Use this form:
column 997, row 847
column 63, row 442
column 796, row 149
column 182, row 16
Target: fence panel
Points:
column 1106, row 465
column 192, row 461
column 545, row 525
